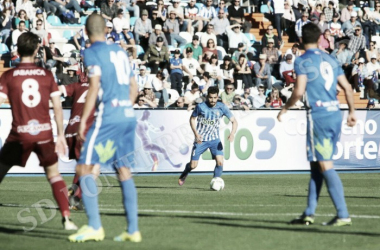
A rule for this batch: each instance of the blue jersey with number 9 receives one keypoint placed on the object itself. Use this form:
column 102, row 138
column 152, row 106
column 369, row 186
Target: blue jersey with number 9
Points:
column 322, row 72
column 110, row 62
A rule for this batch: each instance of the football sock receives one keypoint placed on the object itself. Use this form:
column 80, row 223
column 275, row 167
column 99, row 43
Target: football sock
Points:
column 60, row 192
column 90, row 200
column 315, row 185
column 76, row 186
column 3, row 171
column 130, row 204
column 187, row 170
column 218, row 171
column 335, row 188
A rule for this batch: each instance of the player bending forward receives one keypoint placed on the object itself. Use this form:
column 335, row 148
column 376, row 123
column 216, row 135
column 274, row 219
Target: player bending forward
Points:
column 205, row 122
column 29, row 89
column 318, row 73
column 110, row 139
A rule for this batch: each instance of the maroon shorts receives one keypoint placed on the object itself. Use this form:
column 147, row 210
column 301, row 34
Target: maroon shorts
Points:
column 17, row 153
column 75, row 146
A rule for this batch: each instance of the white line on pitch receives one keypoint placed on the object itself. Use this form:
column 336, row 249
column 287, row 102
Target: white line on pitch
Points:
column 236, row 214
column 234, row 205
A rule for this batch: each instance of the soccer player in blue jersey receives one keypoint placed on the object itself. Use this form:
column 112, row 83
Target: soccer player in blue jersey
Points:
column 318, row 74
column 204, row 123
column 110, row 140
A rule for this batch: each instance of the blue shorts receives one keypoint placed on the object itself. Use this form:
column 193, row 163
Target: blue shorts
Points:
column 322, row 135
column 215, row 147
column 109, row 143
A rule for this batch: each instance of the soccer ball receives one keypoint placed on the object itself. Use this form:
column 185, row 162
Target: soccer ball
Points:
column 217, row 184
column 184, row 149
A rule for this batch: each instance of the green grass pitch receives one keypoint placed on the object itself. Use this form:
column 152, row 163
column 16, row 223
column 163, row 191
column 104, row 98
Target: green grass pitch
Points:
column 251, row 213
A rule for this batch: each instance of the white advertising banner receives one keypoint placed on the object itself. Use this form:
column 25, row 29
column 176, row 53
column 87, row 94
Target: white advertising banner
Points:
column 261, row 142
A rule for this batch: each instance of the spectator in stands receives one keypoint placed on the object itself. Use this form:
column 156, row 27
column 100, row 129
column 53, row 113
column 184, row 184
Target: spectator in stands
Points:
column 204, row 83
column 272, row 53
column 243, row 72
column 143, row 102
column 195, row 48
column 176, row 73
column 373, row 68
column 64, row 6
column 344, row 56
column 236, row 13
column 49, row 8
column 247, row 98
column 80, row 39
column 6, row 25
column 157, row 33
column 368, row 25
column 235, row 36
column 111, row 33
column 8, row 5
column 171, row 26
column 179, row 12
column 120, row 21
column 294, row 51
column 206, row 36
column 228, row 95
column 316, row 13
column 17, row 32
column 154, row 19
column 357, row 41
column 215, row 72
column 54, row 58
column 278, row 11
column 348, row 26
column 143, row 29
column 237, row 53
column 193, row 94
column 21, row 15
column 326, row 42
column 192, row 15
column 142, row 78
column 274, row 101
column 156, row 56
column 190, row 66
column 180, row 103
column 329, row 11
column 262, row 72
column 270, row 35
column 346, row 13
column 148, row 94
column 372, row 51
column 70, row 77
column 127, row 40
column 131, row 6
column 259, row 99
column 207, row 13
column 371, row 104
column 299, row 10
column 228, row 71
column 300, row 23
column 26, row 6
column 336, row 27
column 39, row 31
column 220, row 24
column 287, row 70
column 160, row 89
column 323, row 24
column 359, row 75
column 288, row 21
column 161, row 11
column 109, row 10
column 209, row 51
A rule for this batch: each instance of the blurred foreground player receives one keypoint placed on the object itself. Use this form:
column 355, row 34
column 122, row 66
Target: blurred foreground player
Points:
column 204, row 123
column 318, row 73
column 110, row 139
column 29, row 89
column 78, row 91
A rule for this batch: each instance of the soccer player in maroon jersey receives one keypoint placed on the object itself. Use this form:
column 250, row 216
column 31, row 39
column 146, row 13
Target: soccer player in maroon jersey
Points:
column 78, row 91
column 29, row 89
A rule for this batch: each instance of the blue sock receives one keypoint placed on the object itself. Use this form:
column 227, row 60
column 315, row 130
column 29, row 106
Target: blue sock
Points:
column 315, row 185
column 90, row 200
column 130, row 204
column 335, row 188
column 218, row 171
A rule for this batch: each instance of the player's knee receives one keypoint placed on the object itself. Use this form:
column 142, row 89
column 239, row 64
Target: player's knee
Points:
column 124, row 173
column 52, row 171
column 83, row 169
column 193, row 165
column 219, row 162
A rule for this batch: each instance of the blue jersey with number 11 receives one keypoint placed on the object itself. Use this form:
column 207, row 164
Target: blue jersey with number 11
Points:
column 110, row 62
column 322, row 72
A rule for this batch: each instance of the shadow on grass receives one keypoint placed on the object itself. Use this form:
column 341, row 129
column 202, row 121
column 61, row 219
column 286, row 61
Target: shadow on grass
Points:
column 305, row 229
column 34, row 233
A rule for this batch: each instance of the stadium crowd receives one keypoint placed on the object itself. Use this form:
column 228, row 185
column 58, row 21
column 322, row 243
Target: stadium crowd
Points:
column 179, row 49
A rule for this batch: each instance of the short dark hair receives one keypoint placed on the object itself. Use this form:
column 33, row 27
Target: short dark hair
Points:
column 27, row 43
column 213, row 90
column 310, row 33
column 194, row 86
column 21, row 22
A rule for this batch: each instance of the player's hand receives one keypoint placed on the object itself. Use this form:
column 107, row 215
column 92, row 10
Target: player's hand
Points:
column 61, row 146
column 198, row 138
column 82, row 128
column 351, row 120
column 231, row 137
column 283, row 111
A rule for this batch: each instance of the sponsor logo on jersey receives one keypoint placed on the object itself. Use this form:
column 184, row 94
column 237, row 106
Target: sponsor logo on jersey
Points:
column 319, row 103
column 29, row 72
column 207, row 121
column 33, row 127
column 121, row 103
column 74, row 120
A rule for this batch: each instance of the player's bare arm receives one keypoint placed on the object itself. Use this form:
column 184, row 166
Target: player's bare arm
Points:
column 89, row 105
column 345, row 85
column 298, row 92
column 193, row 125
column 234, row 122
column 60, row 145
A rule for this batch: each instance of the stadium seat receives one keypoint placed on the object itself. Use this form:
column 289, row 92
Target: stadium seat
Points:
column 186, row 35
column 140, row 50
column 199, row 5
column 132, row 21
column 68, row 34
column 199, row 34
column 251, row 37
column 3, row 48
column 221, row 52
column 54, row 21
column 264, row 9
column 68, row 48
column 173, row 95
column 83, row 20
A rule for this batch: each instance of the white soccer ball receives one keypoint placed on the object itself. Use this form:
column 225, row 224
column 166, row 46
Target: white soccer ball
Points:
column 217, row 184
column 184, row 149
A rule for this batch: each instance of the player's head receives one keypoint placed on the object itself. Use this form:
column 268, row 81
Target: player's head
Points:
column 95, row 25
column 310, row 33
column 27, row 44
column 212, row 95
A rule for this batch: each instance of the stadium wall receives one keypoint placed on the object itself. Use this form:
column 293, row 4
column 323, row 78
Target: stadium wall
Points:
column 261, row 142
